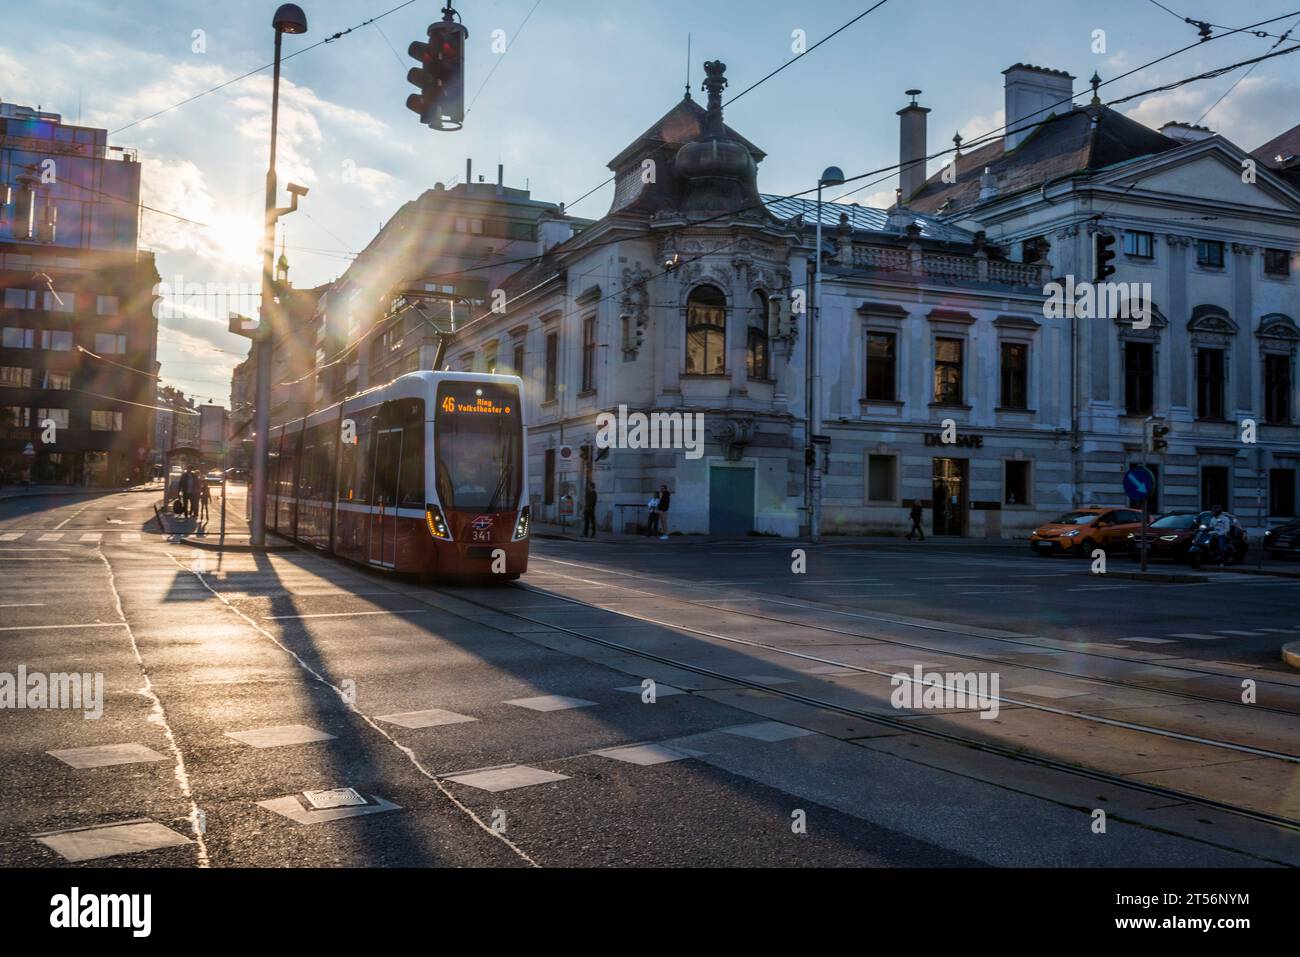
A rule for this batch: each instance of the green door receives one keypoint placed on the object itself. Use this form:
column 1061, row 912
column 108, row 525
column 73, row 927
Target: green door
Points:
column 731, row 501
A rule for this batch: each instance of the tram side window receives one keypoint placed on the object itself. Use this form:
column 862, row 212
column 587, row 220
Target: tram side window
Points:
column 307, row 469
column 325, row 443
column 289, row 464
column 348, row 456
column 365, row 457
column 410, row 492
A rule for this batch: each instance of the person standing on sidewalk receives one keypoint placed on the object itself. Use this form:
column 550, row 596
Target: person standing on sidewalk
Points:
column 187, row 492
column 915, row 515
column 652, row 515
column 205, row 497
column 665, row 499
column 589, row 511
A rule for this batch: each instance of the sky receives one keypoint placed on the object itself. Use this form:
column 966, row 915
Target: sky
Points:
column 577, row 81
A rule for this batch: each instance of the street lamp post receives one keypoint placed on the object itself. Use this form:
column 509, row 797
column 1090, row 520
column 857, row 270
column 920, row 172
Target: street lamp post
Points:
column 289, row 18
column 831, row 176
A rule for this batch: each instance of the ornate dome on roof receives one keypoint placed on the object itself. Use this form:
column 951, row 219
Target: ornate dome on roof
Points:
column 717, row 172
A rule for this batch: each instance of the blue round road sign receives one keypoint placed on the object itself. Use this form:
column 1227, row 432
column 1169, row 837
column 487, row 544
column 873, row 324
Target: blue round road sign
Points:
column 1139, row 483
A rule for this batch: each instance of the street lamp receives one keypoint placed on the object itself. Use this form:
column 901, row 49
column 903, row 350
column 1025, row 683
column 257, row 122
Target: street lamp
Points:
column 289, row 18
column 831, row 176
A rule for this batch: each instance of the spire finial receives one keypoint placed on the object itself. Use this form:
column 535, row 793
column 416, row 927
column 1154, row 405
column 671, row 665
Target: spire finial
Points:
column 1096, row 82
column 688, row 66
column 714, row 84
column 956, row 140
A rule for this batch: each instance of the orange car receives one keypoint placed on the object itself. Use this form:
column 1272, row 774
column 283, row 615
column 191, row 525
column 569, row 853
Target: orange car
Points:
column 1081, row 530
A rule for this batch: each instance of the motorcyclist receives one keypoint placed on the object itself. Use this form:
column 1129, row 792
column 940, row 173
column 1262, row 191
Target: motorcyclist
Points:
column 1220, row 525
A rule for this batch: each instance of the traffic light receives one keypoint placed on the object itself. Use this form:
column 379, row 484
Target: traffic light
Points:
column 440, row 75
column 1103, row 254
column 422, row 76
column 1159, row 444
column 641, row 323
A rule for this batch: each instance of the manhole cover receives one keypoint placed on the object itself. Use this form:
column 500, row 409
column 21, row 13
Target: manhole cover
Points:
column 334, row 797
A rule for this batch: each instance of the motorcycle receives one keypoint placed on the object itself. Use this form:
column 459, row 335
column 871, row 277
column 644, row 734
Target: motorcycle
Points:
column 1205, row 549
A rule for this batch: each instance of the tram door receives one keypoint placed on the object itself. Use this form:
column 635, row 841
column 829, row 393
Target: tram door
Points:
column 949, row 496
column 383, row 490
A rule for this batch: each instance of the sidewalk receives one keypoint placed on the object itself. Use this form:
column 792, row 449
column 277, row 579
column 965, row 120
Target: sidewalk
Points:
column 207, row 534
column 37, row 491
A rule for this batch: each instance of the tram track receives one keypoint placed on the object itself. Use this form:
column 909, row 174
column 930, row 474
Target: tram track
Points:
column 947, row 653
column 904, row 725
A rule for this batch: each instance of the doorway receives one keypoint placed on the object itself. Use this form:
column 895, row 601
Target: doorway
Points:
column 949, row 505
column 383, row 489
column 731, row 500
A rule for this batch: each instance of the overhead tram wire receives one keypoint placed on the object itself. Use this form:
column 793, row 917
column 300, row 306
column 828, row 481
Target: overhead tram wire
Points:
column 266, row 66
column 1262, row 34
column 755, row 85
column 1280, row 40
column 983, row 138
column 890, row 169
column 501, row 57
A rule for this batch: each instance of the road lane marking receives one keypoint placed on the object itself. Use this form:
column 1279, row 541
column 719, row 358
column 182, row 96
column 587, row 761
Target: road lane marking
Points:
column 6, row 559
column 92, row 537
column 1150, row 641
column 349, row 614
column 407, row 752
column 25, row 604
column 51, row 537
column 1197, row 636
column 130, row 536
column 1242, row 634
column 97, row 624
column 11, row 536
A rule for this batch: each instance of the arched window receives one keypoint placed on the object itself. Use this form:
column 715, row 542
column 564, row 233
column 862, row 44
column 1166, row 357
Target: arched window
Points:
column 706, row 332
column 756, row 359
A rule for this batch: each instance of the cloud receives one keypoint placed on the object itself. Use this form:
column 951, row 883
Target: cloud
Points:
column 1256, row 110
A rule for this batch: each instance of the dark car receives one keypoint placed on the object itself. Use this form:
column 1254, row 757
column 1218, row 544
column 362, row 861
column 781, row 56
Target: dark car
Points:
column 1171, row 535
column 1283, row 540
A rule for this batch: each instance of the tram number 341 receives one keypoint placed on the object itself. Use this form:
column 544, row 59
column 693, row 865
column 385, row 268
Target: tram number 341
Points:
column 481, row 529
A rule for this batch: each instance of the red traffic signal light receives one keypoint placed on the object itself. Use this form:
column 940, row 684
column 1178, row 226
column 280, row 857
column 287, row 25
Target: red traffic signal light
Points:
column 440, row 75
column 1103, row 248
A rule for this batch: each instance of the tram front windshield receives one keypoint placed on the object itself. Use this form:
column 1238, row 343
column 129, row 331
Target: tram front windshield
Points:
column 479, row 443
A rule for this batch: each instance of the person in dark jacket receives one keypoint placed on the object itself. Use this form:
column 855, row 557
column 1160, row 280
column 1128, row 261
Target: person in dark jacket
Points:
column 665, row 499
column 915, row 515
column 187, row 492
column 589, row 511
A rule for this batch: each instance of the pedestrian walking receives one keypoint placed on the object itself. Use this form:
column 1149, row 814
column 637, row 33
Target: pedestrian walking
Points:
column 665, row 499
column 589, row 511
column 187, row 492
column 205, row 498
column 915, row 515
column 652, row 519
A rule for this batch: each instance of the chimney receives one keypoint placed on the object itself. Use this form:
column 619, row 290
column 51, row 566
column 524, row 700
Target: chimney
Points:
column 1186, row 132
column 988, row 185
column 911, row 147
column 469, row 173
column 501, row 175
column 1033, row 93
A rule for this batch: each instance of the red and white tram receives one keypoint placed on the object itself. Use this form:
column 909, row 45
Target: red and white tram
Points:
column 425, row 475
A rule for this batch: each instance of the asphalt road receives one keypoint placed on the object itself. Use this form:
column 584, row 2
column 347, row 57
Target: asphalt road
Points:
column 509, row 726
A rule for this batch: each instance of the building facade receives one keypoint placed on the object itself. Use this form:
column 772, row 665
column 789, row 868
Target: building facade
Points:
column 78, row 358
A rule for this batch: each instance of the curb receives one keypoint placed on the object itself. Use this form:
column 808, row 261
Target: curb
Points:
column 216, row 546
column 6, row 496
column 1291, row 654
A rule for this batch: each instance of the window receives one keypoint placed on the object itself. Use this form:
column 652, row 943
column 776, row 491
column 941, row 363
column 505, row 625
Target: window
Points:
column 881, row 470
column 58, row 381
column 1277, row 389
column 1139, row 245
column 589, row 354
column 756, row 358
column 1281, row 492
column 1209, row 383
column 552, row 366
column 517, row 363
column 56, row 340
column 17, row 338
column 1214, row 486
column 1015, row 375
column 476, row 227
column 20, row 298
column 60, row 417
column 106, row 305
column 490, row 360
column 410, row 477
column 107, row 344
column 706, row 332
column 1015, row 483
column 882, row 365
column 462, row 224
column 947, row 371
column 15, row 377
column 60, row 301
column 105, row 421
column 1139, row 378
column 16, row 415
column 1277, row 262
column 1209, row 253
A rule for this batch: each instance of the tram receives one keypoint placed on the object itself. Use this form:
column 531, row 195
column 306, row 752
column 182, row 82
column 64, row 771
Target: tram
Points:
column 424, row 475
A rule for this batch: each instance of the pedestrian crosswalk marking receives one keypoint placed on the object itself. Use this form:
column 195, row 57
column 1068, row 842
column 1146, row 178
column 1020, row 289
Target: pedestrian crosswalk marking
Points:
column 1195, row 636
column 86, row 537
column 11, row 536
column 51, row 537
column 1243, row 634
column 92, row 537
column 1149, row 641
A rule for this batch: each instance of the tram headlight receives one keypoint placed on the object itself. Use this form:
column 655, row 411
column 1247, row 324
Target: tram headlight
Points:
column 521, row 526
column 437, row 524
